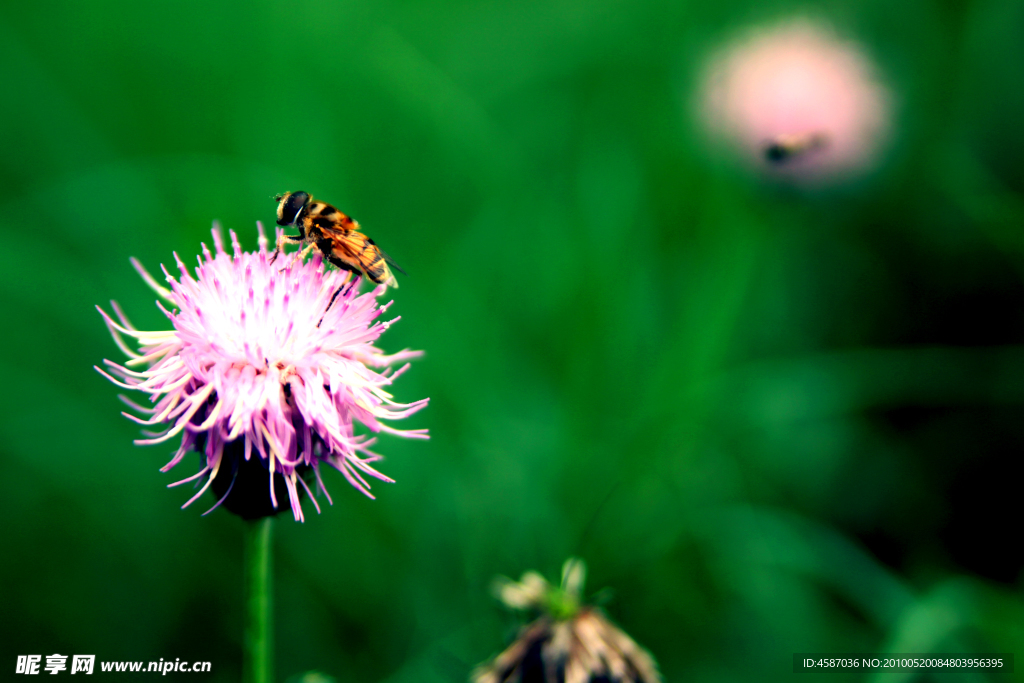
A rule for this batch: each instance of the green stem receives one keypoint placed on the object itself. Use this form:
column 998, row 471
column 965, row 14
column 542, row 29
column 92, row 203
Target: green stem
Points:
column 258, row 664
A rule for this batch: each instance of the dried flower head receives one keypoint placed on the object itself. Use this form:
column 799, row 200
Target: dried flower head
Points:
column 266, row 370
column 569, row 643
column 797, row 100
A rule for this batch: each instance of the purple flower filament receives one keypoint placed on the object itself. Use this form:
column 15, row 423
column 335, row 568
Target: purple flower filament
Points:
column 278, row 358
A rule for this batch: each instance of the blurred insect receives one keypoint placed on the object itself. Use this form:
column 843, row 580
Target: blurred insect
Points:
column 785, row 148
column 336, row 236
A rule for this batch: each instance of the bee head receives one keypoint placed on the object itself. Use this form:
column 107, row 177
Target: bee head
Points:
column 289, row 205
column 776, row 152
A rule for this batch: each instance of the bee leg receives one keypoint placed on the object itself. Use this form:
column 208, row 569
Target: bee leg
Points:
column 301, row 255
column 338, row 291
column 279, row 248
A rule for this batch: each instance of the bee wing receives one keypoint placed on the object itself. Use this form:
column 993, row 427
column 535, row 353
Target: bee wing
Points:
column 357, row 251
column 391, row 262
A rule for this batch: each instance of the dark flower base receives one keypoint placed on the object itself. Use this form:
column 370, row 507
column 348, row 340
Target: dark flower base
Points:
column 250, row 494
column 587, row 643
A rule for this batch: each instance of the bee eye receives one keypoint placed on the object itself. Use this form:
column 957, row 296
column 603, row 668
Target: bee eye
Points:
column 290, row 206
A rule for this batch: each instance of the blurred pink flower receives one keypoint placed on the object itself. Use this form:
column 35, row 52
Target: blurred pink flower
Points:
column 797, row 100
column 265, row 362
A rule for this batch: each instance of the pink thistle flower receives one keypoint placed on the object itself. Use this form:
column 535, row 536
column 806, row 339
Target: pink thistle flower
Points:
column 797, row 100
column 267, row 365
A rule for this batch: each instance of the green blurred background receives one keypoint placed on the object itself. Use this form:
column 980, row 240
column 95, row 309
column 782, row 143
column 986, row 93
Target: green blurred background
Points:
column 773, row 420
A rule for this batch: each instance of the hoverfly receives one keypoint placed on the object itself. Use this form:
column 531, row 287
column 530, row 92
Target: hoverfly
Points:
column 336, row 236
column 783, row 148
